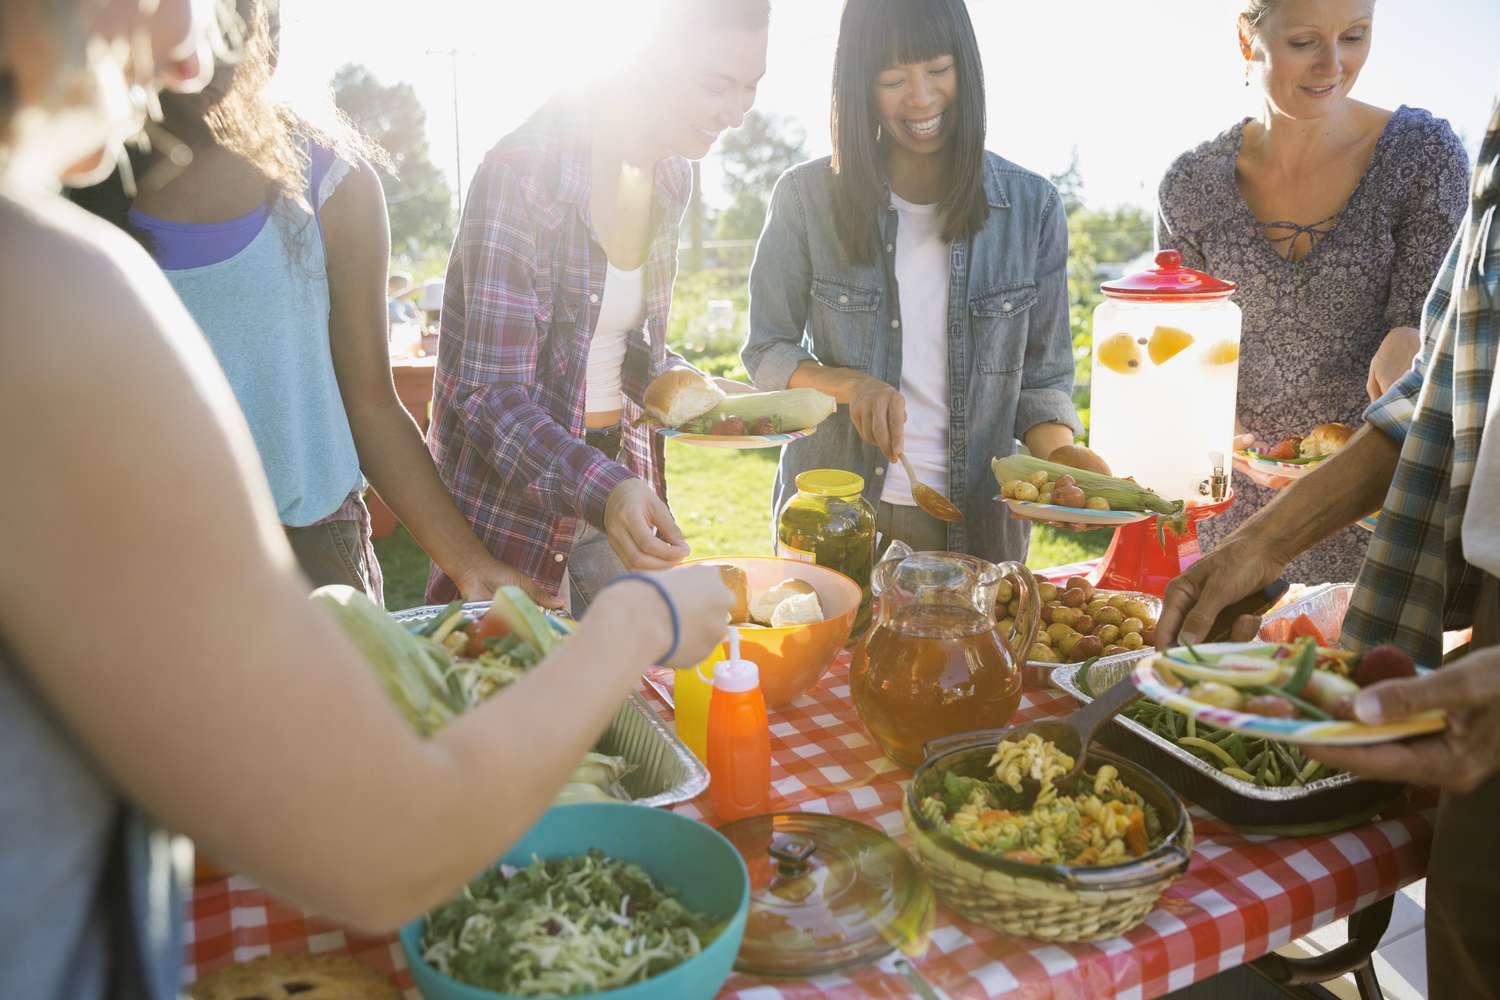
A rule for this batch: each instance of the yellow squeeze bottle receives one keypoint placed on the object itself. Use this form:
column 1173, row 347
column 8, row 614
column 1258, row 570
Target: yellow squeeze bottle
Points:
column 691, row 691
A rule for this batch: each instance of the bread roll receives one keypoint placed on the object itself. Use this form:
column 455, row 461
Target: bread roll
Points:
column 1325, row 440
column 764, row 604
column 739, row 585
column 680, row 395
column 799, row 609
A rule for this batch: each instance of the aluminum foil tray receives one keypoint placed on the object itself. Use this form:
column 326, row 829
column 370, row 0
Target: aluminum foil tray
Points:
column 666, row 772
column 1326, row 605
column 1324, row 805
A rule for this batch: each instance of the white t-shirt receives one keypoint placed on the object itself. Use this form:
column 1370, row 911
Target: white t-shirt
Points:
column 620, row 311
column 922, row 273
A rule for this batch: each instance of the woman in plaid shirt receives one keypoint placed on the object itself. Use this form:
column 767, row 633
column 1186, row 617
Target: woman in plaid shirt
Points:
column 1430, row 451
column 555, row 308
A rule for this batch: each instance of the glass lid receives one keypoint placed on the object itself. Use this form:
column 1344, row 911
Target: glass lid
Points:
column 826, row 893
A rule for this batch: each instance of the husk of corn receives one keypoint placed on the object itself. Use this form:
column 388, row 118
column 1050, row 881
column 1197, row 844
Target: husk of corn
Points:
column 1121, row 494
column 791, row 409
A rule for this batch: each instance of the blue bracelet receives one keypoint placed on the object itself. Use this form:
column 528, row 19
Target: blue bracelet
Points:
column 671, row 608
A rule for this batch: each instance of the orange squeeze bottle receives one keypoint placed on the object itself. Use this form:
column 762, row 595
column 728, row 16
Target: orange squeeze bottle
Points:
column 739, row 742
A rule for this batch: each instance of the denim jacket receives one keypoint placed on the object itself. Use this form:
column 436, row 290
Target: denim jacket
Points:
column 1010, row 357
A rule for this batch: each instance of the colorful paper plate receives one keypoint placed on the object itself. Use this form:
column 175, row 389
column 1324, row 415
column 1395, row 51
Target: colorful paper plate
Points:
column 1050, row 512
column 1172, row 692
column 1370, row 521
column 1277, row 467
column 735, row 440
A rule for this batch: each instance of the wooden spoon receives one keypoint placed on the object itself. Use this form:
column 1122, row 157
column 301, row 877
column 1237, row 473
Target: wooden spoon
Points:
column 930, row 499
column 1070, row 734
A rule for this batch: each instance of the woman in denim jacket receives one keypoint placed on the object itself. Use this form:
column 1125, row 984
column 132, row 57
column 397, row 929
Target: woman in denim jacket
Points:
column 922, row 282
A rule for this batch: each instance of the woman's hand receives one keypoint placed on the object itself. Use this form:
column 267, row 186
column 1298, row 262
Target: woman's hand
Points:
column 1270, row 482
column 1392, row 360
column 879, row 414
column 479, row 581
column 701, row 600
column 1457, row 759
column 641, row 528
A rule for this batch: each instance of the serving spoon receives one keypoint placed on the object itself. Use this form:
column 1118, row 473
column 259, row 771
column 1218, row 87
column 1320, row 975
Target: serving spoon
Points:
column 1071, row 734
column 930, row 499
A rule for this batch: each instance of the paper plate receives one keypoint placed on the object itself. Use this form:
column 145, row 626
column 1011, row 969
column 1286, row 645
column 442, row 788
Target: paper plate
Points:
column 1052, row 513
column 1277, row 467
column 735, row 440
column 1172, row 693
column 1368, row 522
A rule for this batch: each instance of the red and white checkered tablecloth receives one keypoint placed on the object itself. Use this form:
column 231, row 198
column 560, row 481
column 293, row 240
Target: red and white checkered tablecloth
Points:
column 1242, row 897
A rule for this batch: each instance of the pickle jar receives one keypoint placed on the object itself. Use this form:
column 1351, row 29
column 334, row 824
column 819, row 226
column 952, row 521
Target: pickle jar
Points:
column 829, row 522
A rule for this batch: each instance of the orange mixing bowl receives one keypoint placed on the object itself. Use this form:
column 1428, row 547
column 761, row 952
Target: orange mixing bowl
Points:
column 794, row 658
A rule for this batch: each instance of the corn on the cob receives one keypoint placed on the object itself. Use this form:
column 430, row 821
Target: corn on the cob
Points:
column 788, row 409
column 1121, row 494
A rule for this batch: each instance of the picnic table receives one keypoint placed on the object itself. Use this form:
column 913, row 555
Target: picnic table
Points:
column 1243, row 896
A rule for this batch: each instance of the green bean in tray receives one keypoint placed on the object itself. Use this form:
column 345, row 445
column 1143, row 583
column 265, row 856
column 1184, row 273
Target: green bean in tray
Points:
column 1259, row 761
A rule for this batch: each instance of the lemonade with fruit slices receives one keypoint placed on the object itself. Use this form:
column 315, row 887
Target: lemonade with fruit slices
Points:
column 1163, row 394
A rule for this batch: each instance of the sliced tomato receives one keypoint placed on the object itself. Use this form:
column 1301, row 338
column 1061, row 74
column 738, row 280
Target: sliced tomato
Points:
column 1303, row 626
column 491, row 626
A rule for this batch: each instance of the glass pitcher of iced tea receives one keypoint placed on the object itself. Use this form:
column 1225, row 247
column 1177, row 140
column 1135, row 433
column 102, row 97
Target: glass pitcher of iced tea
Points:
column 934, row 664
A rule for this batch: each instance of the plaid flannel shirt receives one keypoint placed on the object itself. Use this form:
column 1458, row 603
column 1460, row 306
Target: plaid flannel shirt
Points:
column 1415, row 581
column 524, row 286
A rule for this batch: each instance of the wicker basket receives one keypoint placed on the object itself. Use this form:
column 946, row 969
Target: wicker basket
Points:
column 1049, row 902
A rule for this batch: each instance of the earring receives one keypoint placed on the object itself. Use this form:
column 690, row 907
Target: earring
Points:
column 878, row 132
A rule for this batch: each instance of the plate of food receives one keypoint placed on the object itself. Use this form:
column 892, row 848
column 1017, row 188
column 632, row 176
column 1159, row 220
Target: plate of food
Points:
column 1296, row 456
column 1046, row 491
column 691, row 409
column 1296, row 692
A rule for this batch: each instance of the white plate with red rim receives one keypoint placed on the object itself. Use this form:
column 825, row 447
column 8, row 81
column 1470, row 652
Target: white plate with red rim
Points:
column 1153, row 677
column 1052, row 513
column 735, row 440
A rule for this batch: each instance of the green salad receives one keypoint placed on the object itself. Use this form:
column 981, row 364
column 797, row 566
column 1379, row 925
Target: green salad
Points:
column 561, row 928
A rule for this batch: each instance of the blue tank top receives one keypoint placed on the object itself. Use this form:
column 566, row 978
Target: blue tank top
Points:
column 264, row 309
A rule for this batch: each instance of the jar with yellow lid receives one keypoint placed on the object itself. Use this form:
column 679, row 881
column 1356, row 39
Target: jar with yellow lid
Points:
column 829, row 522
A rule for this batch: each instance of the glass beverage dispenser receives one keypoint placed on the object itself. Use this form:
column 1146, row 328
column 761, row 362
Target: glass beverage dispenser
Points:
column 1165, row 374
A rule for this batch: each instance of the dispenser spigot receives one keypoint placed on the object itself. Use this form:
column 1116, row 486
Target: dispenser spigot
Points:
column 1217, row 485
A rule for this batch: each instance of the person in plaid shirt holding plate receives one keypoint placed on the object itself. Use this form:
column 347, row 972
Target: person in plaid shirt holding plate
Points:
column 555, row 308
column 1430, row 451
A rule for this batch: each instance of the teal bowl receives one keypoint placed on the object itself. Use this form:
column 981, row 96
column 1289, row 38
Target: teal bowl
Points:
column 706, row 870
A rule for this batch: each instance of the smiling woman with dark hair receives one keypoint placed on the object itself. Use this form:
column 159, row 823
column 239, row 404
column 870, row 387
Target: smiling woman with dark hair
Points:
column 921, row 281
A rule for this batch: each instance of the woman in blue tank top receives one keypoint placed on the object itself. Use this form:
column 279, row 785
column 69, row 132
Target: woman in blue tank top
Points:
column 275, row 237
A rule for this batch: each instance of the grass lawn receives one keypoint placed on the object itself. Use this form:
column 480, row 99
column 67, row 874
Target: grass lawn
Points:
column 722, row 500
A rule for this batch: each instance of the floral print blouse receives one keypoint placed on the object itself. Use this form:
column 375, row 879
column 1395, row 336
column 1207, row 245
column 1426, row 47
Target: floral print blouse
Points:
column 1312, row 325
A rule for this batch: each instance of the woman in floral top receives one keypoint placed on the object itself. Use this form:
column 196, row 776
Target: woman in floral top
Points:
column 1333, row 217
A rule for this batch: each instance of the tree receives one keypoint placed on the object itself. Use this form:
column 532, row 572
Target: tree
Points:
column 416, row 193
column 753, row 157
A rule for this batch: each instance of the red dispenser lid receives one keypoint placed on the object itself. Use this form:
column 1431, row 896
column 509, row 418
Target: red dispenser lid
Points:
column 1168, row 281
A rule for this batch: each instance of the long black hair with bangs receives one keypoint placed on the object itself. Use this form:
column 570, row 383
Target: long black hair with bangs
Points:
column 875, row 35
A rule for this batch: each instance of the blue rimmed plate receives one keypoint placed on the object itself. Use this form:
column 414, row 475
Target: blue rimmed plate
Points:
column 1152, row 677
column 1051, row 513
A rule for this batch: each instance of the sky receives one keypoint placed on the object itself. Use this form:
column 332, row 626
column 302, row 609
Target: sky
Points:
column 1129, row 84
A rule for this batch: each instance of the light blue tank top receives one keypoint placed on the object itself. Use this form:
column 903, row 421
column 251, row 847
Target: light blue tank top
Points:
column 265, row 312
